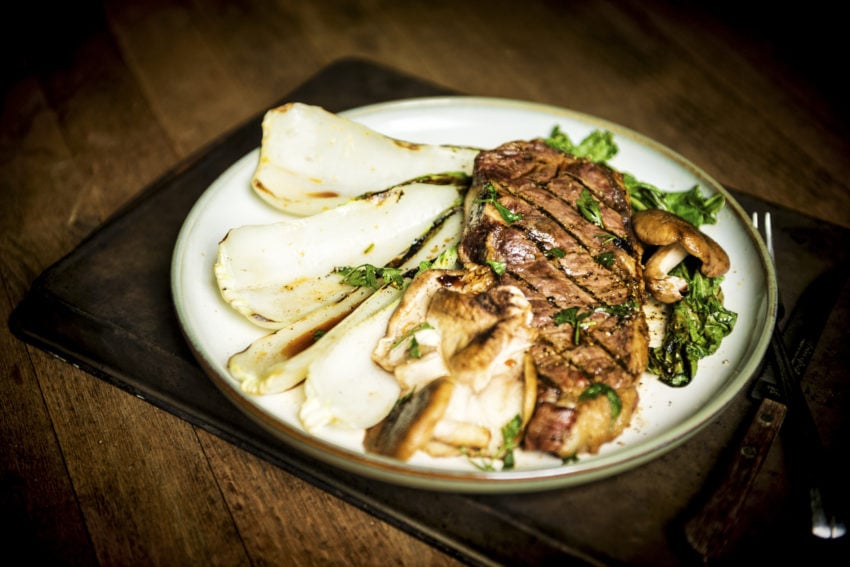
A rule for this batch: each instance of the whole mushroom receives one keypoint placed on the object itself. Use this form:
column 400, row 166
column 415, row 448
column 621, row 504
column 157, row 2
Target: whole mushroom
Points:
column 676, row 239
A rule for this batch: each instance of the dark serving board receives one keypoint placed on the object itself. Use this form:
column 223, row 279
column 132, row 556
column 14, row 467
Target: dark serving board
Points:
column 77, row 310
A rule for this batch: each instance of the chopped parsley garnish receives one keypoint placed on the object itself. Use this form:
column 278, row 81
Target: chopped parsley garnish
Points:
column 574, row 318
column 555, row 253
column 589, row 208
column 620, row 310
column 367, row 275
column 605, row 259
column 511, row 436
column 600, row 388
column 445, row 261
column 413, row 347
column 508, row 215
column 498, row 267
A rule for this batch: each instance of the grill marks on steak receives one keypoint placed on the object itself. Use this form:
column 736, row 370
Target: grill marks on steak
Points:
column 562, row 260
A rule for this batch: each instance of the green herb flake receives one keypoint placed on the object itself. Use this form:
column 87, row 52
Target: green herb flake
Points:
column 485, row 465
column 367, row 275
column 413, row 349
column 600, row 388
column 447, row 260
column 574, row 318
column 605, row 259
column 606, row 237
column 508, row 215
column 410, row 334
column 498, row 267
column 620, row 310
column 511, row 434
column 589, row 208
column 555, row 253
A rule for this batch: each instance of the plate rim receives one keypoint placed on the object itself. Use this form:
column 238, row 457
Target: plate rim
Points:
column 526, row 480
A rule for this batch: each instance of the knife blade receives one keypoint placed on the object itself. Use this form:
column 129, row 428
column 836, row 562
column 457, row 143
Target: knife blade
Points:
column 801, row 433
column 709, row 529
column 803, row 330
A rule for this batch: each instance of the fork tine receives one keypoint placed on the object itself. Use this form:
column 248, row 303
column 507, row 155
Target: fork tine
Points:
column 766, row 231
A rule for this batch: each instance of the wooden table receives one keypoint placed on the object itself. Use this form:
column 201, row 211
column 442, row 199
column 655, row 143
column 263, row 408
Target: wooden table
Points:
column 96, row 110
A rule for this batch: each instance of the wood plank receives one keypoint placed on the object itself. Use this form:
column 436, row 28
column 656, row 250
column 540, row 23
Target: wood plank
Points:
column 41, row 517
column 284, row 519
column 141, row 479
column 188, row 76
column 138, row 474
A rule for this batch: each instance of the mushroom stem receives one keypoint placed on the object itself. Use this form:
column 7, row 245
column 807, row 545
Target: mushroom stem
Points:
column 664, row 287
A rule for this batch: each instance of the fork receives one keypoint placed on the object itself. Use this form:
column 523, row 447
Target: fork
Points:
column 805, row 444
column 709, row 528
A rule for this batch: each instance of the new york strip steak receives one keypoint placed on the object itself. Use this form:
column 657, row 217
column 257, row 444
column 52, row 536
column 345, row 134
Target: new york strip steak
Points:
column 559, row 228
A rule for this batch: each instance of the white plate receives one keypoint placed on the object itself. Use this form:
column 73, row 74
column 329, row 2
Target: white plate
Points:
column 666, row 416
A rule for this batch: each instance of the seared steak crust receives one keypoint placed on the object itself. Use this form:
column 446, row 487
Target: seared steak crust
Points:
column 560, row 227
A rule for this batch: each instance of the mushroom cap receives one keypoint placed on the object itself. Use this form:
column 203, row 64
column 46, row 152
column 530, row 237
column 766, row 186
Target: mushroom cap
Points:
column 676, row 239
column 661, row 228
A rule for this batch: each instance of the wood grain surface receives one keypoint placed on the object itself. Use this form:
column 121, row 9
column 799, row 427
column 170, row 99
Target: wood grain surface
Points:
column 102, row 98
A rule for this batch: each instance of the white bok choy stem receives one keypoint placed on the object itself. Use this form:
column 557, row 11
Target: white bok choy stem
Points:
column 264, row 369
column 312, row 160
column 279, row 361
column 277, row 274
column 344, row 387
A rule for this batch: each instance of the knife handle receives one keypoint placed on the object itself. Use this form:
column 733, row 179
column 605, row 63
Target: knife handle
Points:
column 709, row 529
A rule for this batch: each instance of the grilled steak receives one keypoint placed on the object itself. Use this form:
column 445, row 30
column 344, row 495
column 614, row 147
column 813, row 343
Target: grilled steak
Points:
column 559, row 228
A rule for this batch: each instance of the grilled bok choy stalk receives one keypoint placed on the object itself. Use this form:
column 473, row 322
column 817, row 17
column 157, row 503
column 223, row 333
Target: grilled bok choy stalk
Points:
column 312, row 160
column 359, row 393
column 286, row 276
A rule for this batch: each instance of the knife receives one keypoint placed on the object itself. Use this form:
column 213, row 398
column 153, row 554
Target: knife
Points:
column 801, row 335
column 709, row 530
column 803, row 330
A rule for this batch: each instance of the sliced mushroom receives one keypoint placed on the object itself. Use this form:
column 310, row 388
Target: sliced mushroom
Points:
column 446, row 418
column 411, row 423
column 676, row 239
column 458, row 350
column 482, row 335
